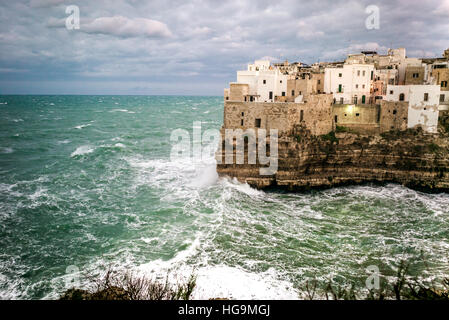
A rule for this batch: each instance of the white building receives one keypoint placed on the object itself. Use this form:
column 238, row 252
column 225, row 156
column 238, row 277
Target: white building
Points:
column 350, row 83
column 265, row 83
column 423, row 102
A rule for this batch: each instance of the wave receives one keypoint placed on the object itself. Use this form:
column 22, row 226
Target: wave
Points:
column 82, row 126
column 82, row 150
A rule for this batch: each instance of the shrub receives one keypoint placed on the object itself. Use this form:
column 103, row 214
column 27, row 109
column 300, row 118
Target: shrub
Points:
column 330, row 137
column 129, row 286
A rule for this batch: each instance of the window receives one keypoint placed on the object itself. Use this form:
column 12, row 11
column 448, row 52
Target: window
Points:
column 391, row 92
column 394, row 111
column 283, row 93
column 336, row 119
column 339, row 75
column 356, row 86
column 293, row 93
column 270, row 95
column 241, row 122
column 319, row 81
column 363, row 87
column 426, row 97
column 301, row 117
column 441, row 97
column 416, row 75
column 340, row 88
column 300, row 93
column 358, row 73
column 319, row 91
column 258, row 121
column 280, row 81
column 444, row 84
column 364, row 73
column 265, row 82
column 357, row 114
column 243, row 114
column 401, row 97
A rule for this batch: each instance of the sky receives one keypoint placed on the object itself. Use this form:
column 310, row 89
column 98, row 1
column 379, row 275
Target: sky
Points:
column 173, row 47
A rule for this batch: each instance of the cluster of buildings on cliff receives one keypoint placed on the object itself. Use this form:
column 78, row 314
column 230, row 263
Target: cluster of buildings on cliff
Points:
column 367, row 92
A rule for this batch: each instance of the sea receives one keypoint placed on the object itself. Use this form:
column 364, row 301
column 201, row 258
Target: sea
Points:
column 87, row 184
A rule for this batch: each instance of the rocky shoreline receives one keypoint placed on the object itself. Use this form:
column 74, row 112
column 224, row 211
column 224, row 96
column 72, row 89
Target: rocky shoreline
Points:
column 412, row 158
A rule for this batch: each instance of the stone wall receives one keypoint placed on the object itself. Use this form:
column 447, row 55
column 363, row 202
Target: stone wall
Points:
column 441, row 75
column 356, row 114
column 393, row 115
column 410, row 71
column 315, row 114
column 238, row 91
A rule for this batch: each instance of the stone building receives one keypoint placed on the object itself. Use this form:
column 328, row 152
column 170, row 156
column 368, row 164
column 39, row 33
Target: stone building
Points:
column 414, row 75
column 441, row 78
column 314, row 115
column 303, row 85
column 265, row 83
column 366, row 93
column 422, row 103
column 350, row 83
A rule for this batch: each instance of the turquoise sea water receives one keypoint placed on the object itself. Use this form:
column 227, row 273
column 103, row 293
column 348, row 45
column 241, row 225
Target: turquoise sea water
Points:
column 87, row 182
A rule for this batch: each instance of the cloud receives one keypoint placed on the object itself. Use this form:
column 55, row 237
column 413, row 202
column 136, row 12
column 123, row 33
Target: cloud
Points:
column 307, row 31
column 197, row 44
column 56, row 23
column 354, row 48
column 126, row 27
column 45, row 3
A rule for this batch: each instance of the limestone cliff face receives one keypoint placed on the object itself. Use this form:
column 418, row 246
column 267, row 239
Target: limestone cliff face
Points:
column 411, row 158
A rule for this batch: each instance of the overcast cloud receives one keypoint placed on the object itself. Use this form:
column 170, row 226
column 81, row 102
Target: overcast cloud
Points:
column 194, row 47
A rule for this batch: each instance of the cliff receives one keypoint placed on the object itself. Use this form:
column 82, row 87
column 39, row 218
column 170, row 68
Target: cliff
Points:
column 411, row 158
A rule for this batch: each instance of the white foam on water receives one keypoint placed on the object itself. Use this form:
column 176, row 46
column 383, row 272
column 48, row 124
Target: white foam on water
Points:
column 39, row 193
column 119, row 145
column 220, row 281
column 235, row 283
column 6, row 150
column 82, row 126
column 64, row 141
column 82, row 150
column 242, row 187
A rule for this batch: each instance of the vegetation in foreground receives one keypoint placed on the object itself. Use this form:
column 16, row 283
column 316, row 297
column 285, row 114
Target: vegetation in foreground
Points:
column 403, row 288
column 128, row 286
